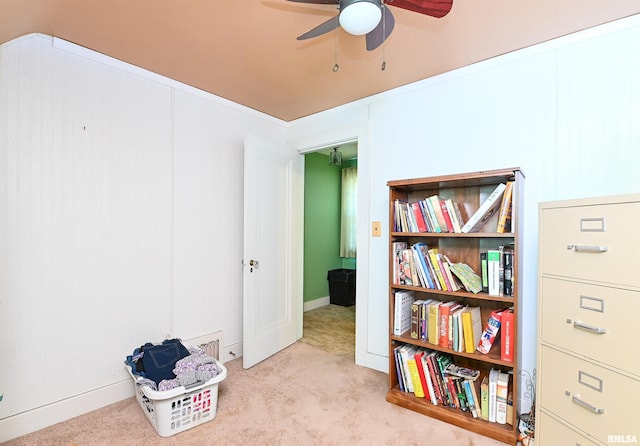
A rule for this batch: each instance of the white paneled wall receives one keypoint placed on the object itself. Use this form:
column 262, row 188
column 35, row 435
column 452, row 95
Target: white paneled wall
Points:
column 120, row 223
column 87, row 220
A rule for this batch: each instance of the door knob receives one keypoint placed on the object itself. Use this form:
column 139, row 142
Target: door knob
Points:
column 252, row 263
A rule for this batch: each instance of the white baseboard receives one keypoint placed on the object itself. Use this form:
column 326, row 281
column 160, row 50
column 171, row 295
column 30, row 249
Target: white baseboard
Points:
column 41, row 417
column 316, row 303
column 232, row 352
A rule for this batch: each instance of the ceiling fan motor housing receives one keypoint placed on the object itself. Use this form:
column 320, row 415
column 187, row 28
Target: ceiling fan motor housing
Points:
column 359, row 17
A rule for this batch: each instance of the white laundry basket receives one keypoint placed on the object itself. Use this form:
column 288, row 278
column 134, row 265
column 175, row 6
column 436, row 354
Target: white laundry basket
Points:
column 176, row 410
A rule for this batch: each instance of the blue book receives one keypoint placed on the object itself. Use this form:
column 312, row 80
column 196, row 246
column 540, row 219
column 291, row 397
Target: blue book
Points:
column 421, row 248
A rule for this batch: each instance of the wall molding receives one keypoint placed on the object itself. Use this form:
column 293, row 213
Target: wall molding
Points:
column 50, row 414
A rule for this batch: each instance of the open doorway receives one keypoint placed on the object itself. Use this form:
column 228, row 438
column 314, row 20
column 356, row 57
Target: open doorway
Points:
column 329, row 305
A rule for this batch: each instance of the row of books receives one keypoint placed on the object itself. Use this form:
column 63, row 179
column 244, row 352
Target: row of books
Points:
column 452, row 325
column 421, row 266
column 497, row 267
column 436, row 214
column 432, row 214
column 447, row 324
column 435, row 377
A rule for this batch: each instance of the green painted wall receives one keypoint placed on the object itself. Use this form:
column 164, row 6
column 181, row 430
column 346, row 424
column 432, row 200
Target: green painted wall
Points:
column 321, row 224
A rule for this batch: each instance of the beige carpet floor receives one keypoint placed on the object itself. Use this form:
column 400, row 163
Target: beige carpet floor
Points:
column 303, row 395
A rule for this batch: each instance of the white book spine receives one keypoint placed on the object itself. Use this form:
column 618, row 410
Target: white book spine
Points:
column 490, row 202
column 493, row 388
column 493, row 272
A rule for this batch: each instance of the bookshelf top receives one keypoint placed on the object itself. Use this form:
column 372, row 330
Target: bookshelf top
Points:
column 459, row 180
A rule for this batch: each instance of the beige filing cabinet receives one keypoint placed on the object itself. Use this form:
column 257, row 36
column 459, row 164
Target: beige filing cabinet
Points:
column 588, row 384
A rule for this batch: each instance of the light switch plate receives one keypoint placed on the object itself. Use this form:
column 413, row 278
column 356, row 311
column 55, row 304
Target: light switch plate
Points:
column 376, row 229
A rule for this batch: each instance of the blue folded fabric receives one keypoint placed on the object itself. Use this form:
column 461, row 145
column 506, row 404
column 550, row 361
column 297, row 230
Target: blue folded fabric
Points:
column 157, row 361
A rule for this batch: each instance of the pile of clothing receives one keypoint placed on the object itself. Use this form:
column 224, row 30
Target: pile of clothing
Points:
column 170, row 364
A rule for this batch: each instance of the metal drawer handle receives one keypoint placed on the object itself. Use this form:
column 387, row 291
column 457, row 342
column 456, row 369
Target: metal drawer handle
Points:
column 576, row 399
column 589, row 328
column 587, row 248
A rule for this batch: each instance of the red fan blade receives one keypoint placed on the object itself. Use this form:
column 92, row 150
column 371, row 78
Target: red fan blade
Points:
column 433, row 8
column 319, row 2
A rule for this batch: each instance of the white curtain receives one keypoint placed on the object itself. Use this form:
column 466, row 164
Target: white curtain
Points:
column 348, row 218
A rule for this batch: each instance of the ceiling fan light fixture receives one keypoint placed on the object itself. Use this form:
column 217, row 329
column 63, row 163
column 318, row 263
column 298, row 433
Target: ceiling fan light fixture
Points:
column 359, row 17
column 335, row 157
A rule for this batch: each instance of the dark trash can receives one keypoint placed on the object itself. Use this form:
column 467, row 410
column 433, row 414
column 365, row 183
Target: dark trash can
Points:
column 342, row 286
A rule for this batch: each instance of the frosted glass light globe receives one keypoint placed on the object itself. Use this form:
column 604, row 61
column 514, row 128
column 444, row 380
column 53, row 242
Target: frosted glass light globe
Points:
column 360, row 17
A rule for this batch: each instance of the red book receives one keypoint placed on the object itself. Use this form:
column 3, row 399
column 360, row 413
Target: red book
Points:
column 436, row 377
column 447, row 217
column 443, row 325
column 422, row 226
column 423, row 379
column 506, row 336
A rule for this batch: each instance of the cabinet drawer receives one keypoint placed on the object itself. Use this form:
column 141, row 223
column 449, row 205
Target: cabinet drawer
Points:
column 593, row 321
column 594, row 399
column 551, row 432
column 591, row 242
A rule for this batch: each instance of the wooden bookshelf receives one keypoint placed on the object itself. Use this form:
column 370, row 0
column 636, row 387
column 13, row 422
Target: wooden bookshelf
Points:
column 469, row 190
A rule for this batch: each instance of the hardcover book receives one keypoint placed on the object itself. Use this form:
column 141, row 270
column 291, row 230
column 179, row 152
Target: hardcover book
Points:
column 502, row 392
column 504, row 216
column 506, row 335
column 398, row 264
column 507, row 260
column 470, row 399
column 484, row 398
column 433, row 332
column 416, row 309
column 431, row 213
column 462, row 372
column 472, row 327
column 467, row 276
column 423, row 252
column 402, row 311
column 417, row 212
column 484, row 274
column 419, row 355
column 493, row 393
column 448, row 220
column 443, row 325
column 490, row 332
column 494, row 260
column 437, row 210
column 453, row 215
column 427, row 374
column 418, row 391
column 485, row 211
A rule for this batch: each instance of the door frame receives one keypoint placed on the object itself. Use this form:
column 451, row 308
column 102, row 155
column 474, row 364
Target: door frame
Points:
column 357, row 133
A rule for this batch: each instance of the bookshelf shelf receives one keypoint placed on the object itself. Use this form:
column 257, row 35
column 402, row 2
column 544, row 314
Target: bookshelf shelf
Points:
column 492, row 357
column 479, row 235
column 469, row 191
column 497, row 431
column 457, row 294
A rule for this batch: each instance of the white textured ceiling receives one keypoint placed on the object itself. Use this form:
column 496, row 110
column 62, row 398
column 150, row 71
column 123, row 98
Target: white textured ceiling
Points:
column 246, row 50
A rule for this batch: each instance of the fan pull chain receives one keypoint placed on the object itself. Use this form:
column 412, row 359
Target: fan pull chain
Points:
column 384, row 62
column 384, row 37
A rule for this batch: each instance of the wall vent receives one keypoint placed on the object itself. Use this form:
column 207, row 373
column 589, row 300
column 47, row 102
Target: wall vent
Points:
column 210, row 343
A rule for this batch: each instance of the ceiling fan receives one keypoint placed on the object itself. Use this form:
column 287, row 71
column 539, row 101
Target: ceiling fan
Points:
column 372, row 17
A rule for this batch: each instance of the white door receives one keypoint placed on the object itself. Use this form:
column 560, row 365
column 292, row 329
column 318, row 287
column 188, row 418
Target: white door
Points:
column 272, row 277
